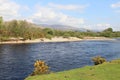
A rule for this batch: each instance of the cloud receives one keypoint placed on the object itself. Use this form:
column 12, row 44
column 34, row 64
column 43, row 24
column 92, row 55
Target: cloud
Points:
column 41, row 14
column 103, row 25
column 116, row 5
column 99, row 26
column 9, row 9
column 70, row 7
column 47, row 15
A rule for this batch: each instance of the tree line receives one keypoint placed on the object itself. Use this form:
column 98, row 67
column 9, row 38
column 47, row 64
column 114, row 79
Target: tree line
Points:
column 25, row 30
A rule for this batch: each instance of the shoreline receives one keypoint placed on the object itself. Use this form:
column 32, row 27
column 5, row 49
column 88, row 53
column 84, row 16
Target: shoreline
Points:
column 110, row 70
column 56, row 39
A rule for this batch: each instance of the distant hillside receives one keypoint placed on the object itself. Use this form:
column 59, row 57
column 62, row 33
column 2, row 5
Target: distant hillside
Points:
column 63, row 27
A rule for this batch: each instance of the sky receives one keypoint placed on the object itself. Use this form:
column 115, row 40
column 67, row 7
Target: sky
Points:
column 88, row 14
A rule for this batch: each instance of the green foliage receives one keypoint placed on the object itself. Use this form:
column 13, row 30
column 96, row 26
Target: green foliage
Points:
column 108, row 30
column 105, row 71
column 98, row 60
column 109, row 33
column 1, row 25
column 15, row 28
column 66, row 35
column 23, row 29
column 48, row 36
column 4, row 39
column 40, row 68
column 20, row 28
column 1, row 21
column 49, row 31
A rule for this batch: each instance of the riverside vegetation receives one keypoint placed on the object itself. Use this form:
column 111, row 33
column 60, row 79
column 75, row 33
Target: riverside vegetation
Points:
column 23, row 30
column 102, row 71
column 40, row 68
column 98, row 60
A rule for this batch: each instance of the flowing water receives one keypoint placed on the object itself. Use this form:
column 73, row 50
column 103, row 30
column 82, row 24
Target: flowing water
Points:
column 16, row 60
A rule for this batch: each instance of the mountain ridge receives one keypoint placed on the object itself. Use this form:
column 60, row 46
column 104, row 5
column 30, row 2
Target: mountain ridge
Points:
column 62, row 27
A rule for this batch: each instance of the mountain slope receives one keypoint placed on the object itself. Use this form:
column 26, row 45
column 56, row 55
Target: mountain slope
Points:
column 63, row 27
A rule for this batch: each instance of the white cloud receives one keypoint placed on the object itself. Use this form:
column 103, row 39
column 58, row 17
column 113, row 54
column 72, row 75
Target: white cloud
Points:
column 103, row 25
column 116, row 5
column 9, row 9
column 100, row 26
column 68, row 7
column 46, row 15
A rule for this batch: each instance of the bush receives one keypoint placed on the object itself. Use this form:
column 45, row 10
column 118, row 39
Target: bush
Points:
column 4, row 39
column 49, row 36
column 66, row 35
column 79, row 36
column 98, row 60
column 40, row 67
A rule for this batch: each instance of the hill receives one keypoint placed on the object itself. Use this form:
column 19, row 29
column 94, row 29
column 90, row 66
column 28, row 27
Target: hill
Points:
column 63, row 27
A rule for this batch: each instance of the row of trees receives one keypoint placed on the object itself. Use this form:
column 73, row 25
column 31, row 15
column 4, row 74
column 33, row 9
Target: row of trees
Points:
column 23, row 29
column 110, row 33
column 19, row 29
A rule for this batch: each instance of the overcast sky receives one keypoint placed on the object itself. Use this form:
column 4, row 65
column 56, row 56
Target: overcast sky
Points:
column 89, row 14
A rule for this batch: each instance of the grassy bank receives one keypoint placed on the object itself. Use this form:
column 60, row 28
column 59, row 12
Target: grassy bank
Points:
column 106, row 71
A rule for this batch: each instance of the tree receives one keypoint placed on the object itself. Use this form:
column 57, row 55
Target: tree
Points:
column 1, row 23
column 1, row 20
column 108, row 30
column 14, row 28
column 49, row 31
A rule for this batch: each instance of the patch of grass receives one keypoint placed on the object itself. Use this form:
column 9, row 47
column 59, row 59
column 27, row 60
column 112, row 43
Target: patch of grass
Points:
column 105, row 71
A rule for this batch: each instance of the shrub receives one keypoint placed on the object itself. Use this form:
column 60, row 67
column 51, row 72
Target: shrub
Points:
column 4, row 39
column 79, row 36
column 48, row 36
column 66, row 35
column 98, row 60
column 40, row 67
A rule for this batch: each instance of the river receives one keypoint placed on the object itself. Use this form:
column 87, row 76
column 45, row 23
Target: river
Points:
column 16, row 60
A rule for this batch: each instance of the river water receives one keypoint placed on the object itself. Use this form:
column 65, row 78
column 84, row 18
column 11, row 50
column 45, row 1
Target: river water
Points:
column 16, row 60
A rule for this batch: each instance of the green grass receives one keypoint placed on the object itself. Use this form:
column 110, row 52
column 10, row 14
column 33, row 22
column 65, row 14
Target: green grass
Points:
column 105, row 71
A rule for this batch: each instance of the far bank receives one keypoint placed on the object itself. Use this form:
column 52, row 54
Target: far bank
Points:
column 54, row 39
